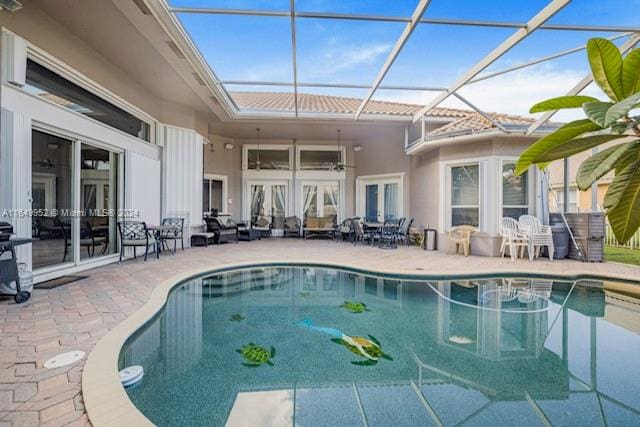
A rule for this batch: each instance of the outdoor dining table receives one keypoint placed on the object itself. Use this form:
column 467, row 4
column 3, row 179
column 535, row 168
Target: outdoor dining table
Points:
column 378, row 227
column 157, row 231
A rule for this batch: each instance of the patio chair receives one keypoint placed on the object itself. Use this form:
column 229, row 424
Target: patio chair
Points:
column 404, row 233
column 512, row 238
column 65, row 233
column 224, row 229
column 460, row 236
column 345, row 229
column 262, row 224
column 388, row 234
column 292, row 226
column 358, row 234
column 135, row 234
column 91, row 239
column 539, row 236
column 175, row 233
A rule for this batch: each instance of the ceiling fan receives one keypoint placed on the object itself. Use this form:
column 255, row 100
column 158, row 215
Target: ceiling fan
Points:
column 47, row 163
column 340, row 166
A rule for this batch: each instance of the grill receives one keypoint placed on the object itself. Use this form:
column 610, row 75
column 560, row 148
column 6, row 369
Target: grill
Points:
column 6, row 230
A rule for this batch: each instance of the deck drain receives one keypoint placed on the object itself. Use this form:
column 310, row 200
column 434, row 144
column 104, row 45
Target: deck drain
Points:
column 64, row 359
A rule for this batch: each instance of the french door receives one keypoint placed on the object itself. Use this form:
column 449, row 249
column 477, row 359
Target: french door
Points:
column 380, row 199
column 320, row 199
column 268, row 199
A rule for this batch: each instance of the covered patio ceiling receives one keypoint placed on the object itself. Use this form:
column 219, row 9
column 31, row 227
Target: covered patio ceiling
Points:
column 498, row 55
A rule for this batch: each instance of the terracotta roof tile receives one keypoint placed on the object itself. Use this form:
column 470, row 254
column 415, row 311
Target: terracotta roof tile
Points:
column 463, row 120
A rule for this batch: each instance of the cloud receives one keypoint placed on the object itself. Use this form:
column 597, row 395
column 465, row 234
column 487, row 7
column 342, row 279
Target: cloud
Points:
column 512, row 93
column 335, row 60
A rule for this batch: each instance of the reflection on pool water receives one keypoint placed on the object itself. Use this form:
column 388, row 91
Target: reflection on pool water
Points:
column 307, row 346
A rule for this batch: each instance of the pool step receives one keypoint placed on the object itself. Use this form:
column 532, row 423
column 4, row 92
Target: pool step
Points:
column 342, row 404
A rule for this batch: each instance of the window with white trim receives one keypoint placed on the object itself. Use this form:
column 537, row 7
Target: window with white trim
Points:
column 515, row 192
column 465, row 195
column 559, row 197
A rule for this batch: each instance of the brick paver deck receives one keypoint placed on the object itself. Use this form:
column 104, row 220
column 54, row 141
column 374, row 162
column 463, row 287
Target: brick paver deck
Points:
column 75, row 316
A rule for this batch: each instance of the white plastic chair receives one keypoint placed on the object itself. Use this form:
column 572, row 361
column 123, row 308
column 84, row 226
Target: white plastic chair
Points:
column 512, row 238
column 539, row 235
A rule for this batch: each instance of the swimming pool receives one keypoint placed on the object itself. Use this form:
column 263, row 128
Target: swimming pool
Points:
column 304, row 345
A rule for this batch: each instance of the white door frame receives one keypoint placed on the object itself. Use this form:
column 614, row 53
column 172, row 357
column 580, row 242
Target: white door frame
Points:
column 267, row 183
column 225, row 195
column 320, row 184
column 380, row 180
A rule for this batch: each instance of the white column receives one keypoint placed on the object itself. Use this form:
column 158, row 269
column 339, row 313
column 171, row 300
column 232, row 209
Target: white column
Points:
column 182, row 174
column 15, row 176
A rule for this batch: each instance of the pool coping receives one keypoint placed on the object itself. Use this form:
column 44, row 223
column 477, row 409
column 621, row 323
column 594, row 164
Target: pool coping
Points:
column 106, row 401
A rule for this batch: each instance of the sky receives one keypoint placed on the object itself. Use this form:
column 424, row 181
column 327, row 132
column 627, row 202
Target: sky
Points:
column 337, row 51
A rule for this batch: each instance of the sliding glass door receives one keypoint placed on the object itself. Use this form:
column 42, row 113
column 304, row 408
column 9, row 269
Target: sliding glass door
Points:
column 72, row 228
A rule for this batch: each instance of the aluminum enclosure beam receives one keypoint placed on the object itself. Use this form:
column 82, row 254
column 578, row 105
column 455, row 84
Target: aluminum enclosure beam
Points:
column 586, row 81
column 332, row 85
column 534, row 23
column 539, row 60
column 293, row 55
column 479, row 111
column 384, row 18
column 421, row 8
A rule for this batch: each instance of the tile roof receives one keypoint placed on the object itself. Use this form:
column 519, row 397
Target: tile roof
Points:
column 466, row 121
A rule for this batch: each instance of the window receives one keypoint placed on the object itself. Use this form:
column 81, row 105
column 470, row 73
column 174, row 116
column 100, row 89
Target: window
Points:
column 558, row 195
column 213, row 195
column 319, row 159
column 514, row 192
column 268, row 159
column 48, row 85
column 465, row 195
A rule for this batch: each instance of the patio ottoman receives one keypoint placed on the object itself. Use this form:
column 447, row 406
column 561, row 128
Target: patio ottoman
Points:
column 249, row 234
column 201, row 239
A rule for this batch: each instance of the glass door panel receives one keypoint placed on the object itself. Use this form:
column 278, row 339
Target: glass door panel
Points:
column 371, row 202
column 99, row 201
column 390, row 201
column 309, row 201
column 206, row 205
column 278, row 206
column 52, row 190
column 257, row 202
column 331, row 195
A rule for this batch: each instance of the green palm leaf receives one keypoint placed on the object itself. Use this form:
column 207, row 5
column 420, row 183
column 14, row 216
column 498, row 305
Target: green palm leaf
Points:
column 606, row 113
column 549, row 142
column 624, row 218
column 606, row 66
column 561, row 102
column 631, row 73
column 600, row 164
column 619, row 185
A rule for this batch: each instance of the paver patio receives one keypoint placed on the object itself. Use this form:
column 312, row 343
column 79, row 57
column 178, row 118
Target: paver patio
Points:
column 75, row 316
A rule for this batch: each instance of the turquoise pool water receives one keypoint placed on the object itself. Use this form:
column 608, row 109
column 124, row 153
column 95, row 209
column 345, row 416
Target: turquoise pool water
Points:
column 323, row 347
